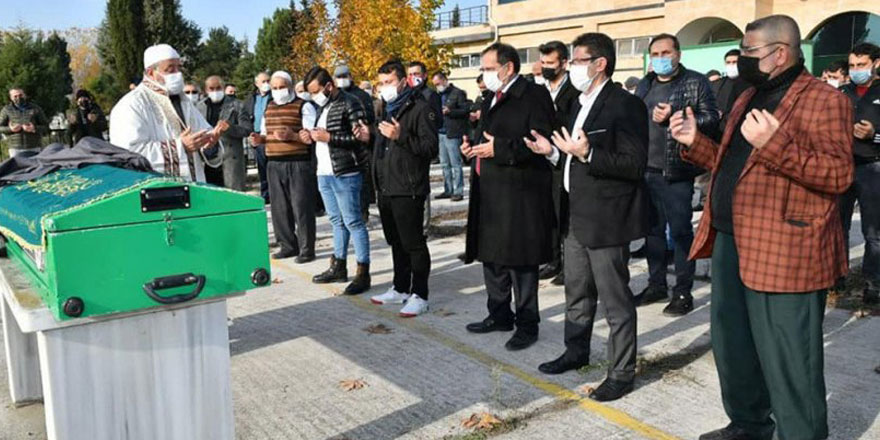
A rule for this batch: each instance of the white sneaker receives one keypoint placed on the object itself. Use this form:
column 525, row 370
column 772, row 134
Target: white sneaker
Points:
column 415, row 306
column 391, row 296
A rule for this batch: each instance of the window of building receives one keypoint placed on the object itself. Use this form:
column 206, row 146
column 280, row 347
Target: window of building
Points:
column 632, row 47
column 833, row 40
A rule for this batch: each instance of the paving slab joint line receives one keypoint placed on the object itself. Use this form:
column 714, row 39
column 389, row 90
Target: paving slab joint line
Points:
column 613, row 415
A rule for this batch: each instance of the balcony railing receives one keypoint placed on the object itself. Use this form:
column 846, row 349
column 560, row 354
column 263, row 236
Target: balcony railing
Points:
column 462, row 17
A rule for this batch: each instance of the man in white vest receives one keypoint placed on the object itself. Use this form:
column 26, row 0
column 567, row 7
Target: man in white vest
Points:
column 155, row 120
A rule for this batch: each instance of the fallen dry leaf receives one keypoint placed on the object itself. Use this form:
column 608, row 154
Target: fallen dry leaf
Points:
column 277, row 281
column 586, row 389
column 861, row 313
column 481, row 421
column 352, row 384
column 443, row 312
column 378, row 329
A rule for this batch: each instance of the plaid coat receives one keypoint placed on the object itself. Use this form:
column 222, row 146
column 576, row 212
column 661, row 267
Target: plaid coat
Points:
column 786, row 221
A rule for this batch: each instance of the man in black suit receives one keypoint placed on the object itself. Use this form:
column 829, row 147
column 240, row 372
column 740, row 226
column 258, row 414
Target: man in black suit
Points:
column 554, row 62
column 603, row 154
column 510, row 216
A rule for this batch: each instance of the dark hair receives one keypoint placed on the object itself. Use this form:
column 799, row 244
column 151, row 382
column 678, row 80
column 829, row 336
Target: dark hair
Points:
column 713, row 72
column 674, row 39
column 317, row 73
column 439, row 73
column 779, row 28
column 836, row 65
column 420, row 65
column 505, row 53
column 554, row 46
column 732, row 53
column 600, row 46
column 393, row 66
column 479, row 78
column 868, row 49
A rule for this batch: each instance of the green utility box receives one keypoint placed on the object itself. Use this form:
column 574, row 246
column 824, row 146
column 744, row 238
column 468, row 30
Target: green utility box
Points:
column 103, row 240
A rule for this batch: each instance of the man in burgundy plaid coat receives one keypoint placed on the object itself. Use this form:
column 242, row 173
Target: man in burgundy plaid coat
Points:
column 772, row 228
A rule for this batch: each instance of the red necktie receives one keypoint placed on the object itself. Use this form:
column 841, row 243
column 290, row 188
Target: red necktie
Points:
column 498, row 96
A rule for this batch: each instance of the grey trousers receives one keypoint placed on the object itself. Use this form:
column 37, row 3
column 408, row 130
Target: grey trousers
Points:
column 591, row 274
column 292, row 189
column 234, row 166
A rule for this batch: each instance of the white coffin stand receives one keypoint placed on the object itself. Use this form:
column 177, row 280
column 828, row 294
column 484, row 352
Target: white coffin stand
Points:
column 156, row 374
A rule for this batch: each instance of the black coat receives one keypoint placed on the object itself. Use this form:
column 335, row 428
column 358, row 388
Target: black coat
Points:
column 510, row 216
column 457, row 121
column 565, row 100
column 865, row 108
column 366, row 102
column 433, row 99
column 400, row 167
column 82, row 127
column 608, row 200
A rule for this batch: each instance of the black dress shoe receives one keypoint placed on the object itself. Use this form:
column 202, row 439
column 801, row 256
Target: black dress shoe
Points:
column 559, row 280
column 488, row 325
column 728, row 433
column 610, row 390
column 652, row 294
column 457, row 198
column 284, row 253
column 549, row 270
column 679, row 306
column 442, row 196
column 521, row 340
column 562, row 364
column 302, row 259
column 641, row 252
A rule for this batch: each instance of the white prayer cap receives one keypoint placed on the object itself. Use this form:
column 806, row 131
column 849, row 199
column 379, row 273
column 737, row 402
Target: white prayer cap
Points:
column 283, row 74
column 157, row 53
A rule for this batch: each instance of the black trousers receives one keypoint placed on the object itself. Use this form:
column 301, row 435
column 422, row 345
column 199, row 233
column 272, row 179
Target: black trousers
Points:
column 292, row 191
column 402, row 224
column 260, row 152
column 522, row 281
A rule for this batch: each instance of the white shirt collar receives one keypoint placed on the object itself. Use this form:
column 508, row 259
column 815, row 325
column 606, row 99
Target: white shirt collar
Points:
column 505, row 88
column 561, row 83
column 586, row 99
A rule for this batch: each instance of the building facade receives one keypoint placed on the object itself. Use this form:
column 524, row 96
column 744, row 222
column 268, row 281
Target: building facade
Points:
column 831, row 27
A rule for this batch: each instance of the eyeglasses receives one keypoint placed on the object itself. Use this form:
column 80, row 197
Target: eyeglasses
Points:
column 582, row 61
column 754, row 49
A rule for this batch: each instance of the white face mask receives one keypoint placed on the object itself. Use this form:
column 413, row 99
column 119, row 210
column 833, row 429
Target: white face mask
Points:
column 539, row 80
column 194, row 98
column 173, row 83
column 492, row 81
column 389, row 93
column 216, row 96
column 417, row 81
column 265, row 87
column 441, row 89
column 306, row 96
column 343, row 83
column 834, row 83
column 282, row 96
column 580, row 77
column 320, row 98
column 732, row 71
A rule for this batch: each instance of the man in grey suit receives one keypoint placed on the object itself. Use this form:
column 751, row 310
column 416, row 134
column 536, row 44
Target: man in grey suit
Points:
column 603, row 151
column 232, row 170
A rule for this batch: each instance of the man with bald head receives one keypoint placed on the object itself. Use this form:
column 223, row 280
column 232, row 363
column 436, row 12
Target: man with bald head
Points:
column 252, row 117
column 226, row 165
column 773, row 230
column 289, row 168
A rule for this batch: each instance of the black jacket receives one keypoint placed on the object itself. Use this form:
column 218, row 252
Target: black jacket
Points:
column 608, row 200
column 433, row 99
column 366, row 102
column 565, row 100
column 400, row 167
column 866, row 108
column 346, row 152
column 247, row 112
column 726, row 92
column 82, row 126
column 690, row 89
column 456, row 122
column 510, row 216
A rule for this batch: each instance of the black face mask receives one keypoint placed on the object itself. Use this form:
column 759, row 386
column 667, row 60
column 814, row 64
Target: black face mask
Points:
column 750, row 69
column 549, row 73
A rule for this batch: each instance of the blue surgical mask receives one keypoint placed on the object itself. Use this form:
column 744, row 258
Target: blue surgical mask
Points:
column 860, row 76
column 662, row 66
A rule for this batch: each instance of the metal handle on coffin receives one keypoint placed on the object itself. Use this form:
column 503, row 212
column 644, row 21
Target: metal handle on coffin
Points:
column 172, row 281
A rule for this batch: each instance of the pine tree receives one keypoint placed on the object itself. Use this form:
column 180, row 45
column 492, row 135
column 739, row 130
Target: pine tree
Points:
column 218, row 55
column 273, row 38
column 122, row 41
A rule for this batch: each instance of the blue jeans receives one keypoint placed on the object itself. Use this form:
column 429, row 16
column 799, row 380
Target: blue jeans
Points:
column 342, row 201
column 866, row 190
column 670, row 203
column 450, row 158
